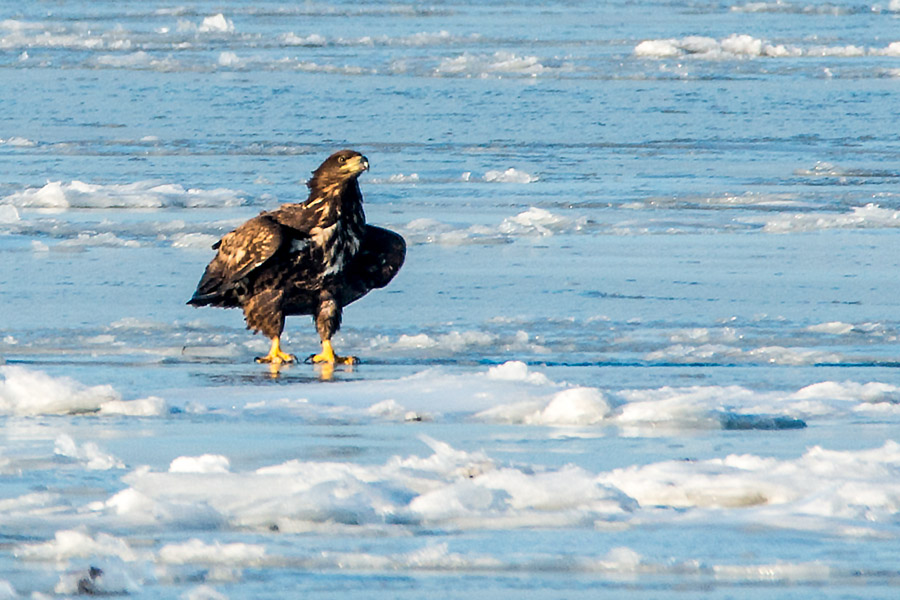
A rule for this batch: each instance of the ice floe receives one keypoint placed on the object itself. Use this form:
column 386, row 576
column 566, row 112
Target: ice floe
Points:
column 852, row 492
column 855, row 485
column 532, row 222
column 217, row 23
column 510, row 175
column 77, row 543
column 451, row 488
column 870, row 216
column 738, row 46
column 501, row 63
column 140, row 194
column 728, row 354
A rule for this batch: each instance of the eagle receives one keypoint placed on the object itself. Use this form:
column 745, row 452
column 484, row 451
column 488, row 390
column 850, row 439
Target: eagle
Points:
column 310, row 258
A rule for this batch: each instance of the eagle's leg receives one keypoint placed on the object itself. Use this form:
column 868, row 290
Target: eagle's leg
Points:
column 328, row 321
column 263, row 312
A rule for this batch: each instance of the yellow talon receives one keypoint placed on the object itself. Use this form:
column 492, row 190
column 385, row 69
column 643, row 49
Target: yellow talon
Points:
column 327, row 355
column 275, row 355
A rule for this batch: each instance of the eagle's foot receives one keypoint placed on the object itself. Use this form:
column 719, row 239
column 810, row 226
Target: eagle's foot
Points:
column 277, row 359
column 275, row 355
column 327, row 355
column 334, row 359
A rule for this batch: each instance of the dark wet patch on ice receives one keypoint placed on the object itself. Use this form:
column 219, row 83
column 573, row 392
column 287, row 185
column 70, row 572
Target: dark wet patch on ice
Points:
column 733, row 422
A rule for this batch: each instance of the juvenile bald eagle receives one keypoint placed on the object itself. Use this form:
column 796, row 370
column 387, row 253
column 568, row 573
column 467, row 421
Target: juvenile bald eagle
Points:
column 312, row 258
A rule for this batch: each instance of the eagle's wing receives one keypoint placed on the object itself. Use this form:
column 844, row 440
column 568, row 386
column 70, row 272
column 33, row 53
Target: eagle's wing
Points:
column 380, row 256
column 248, row 247
column 240, row 252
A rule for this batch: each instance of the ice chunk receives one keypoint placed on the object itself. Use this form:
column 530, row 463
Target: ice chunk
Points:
column 197, row 551
column 216, row 24
column 833, row 327
column 27, row 392
column 510, row 175
column 229, row 59
column 140, row 194
column 576, row 406
column 312, row 40
column 657, row 49
column 870, row 216
column 7, row 591
column 782, row 571
column 515, row 370
column 203, row 592
column 88, row 453
column 144, row 407
column 77, row 543
column 8, row 213
column 208, row 463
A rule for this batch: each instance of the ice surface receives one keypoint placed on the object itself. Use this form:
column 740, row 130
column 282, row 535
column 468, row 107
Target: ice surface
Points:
column 644, row 342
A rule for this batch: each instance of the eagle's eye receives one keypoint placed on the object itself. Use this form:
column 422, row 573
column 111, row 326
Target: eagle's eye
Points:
column 342, row 159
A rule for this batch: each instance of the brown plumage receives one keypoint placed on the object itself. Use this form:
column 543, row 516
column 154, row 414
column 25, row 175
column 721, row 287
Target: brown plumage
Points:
column 312, row 258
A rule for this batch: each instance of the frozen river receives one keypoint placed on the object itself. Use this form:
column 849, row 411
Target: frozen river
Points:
column 645, row 341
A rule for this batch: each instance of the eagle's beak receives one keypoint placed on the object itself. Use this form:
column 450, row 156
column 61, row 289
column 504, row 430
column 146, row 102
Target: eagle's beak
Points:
column 363, row 163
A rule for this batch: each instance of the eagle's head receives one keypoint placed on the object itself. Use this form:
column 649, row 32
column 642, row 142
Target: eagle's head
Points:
column 340, row 167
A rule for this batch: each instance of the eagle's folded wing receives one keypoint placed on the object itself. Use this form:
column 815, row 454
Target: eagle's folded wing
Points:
column 240, row 252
